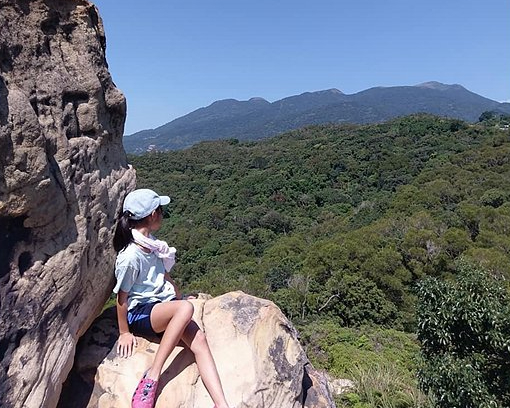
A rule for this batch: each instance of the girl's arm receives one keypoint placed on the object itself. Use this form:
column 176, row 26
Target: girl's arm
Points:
column 126, row 339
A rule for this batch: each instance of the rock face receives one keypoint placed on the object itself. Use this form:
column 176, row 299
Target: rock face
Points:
column 63, row 174
column 256, row 349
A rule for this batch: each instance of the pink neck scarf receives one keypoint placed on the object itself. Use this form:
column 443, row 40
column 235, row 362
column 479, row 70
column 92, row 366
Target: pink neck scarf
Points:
column 160, row 248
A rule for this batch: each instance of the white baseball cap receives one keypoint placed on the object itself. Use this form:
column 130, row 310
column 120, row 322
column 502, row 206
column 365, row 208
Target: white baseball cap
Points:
column 142, row 202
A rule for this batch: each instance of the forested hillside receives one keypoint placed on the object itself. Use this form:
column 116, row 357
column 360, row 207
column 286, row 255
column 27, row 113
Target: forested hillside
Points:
column 338, row 223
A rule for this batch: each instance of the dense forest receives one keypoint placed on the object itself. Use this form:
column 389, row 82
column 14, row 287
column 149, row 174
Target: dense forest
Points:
column 337, row 224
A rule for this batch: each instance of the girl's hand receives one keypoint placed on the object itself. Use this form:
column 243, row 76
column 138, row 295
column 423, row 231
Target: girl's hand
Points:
column 125, row 344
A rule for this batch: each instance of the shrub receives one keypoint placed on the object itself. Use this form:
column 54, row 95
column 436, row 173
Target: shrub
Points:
column 381, row 362
column 382, row 386
column 464, row 330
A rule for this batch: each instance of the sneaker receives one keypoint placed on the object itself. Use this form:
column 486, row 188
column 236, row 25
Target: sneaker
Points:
column 145, row 393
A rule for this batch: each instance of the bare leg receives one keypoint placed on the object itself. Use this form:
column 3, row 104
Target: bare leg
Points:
column 172, row 318
column 195, row 339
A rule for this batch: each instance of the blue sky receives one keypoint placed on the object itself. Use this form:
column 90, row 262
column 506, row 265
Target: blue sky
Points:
column 172, row 57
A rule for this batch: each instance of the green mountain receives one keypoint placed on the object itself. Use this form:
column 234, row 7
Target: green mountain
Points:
column 257, row 118
column 337, row 221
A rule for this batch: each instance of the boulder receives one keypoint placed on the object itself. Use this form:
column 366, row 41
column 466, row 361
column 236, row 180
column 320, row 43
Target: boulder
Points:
column 256, row 349
column 63, row 175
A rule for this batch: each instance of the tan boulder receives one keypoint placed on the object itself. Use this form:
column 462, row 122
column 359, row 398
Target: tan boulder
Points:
column 63, row 174
column 256, row 349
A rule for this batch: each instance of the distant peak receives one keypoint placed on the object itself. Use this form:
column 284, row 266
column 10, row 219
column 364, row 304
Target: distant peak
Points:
column 257, row 99
column 332, row 91
column 439, row 86
column 224, row 101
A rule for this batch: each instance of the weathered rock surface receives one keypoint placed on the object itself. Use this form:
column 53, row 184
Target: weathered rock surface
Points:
column 256, row 349
column 339, row 386
column 63, row 174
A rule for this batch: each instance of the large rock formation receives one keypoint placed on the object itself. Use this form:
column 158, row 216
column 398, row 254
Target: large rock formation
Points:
column 256, row 349
column 63, row 174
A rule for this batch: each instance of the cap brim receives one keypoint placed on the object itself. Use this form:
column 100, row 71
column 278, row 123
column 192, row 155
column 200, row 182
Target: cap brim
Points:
column 164, row 200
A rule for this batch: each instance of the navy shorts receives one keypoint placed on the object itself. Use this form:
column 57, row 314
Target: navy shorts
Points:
column 139, row 320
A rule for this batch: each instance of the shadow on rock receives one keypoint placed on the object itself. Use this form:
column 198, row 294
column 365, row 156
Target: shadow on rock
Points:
column 95, row 346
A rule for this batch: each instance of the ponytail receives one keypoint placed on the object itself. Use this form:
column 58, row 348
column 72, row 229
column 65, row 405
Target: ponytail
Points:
column 122, row 236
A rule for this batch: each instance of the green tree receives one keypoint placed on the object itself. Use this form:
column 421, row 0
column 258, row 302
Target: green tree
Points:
column 494, row 197
column 486, row 116
column 464, row 330
column 355, row 301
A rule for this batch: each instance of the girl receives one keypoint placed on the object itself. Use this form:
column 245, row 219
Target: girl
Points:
column 146, row 297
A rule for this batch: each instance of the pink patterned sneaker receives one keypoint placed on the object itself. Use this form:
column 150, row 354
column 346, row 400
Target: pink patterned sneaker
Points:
column 145, row 393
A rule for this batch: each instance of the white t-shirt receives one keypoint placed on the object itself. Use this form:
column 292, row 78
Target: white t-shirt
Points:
column 142, row 276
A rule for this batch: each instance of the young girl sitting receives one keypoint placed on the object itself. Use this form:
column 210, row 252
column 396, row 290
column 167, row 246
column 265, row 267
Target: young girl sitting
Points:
column 147, row 302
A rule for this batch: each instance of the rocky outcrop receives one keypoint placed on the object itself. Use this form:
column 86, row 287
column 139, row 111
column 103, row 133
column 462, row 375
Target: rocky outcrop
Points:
column 63, row 174
column 256, row 349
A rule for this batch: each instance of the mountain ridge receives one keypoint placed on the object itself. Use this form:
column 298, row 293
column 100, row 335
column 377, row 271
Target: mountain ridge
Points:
column 258, row 118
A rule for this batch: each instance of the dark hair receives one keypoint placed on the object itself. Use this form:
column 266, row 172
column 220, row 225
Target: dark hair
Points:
column 123, row 235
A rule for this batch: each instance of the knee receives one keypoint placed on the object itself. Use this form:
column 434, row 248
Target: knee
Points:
column 186, row 309
column 199, row 342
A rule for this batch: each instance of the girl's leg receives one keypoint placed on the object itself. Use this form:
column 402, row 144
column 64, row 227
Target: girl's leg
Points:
column 172, row 318
column 195, row 339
